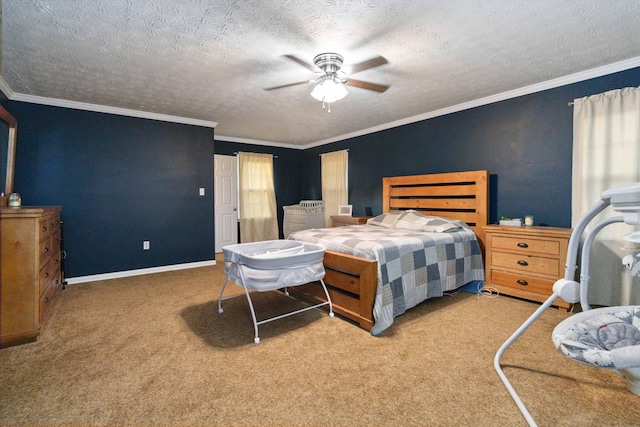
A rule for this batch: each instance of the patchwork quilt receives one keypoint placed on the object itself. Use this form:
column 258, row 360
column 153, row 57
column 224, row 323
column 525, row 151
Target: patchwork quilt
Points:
column 412, row 265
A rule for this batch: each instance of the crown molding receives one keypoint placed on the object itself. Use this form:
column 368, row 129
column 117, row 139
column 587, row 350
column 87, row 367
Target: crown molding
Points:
column 258, row 142
column 110, row 110
column 527, row 90
column 4, row 87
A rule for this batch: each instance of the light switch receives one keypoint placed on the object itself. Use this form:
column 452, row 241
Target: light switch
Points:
column 202, row 191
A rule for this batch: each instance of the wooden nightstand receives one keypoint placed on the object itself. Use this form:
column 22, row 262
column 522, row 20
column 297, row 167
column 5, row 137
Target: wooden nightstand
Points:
column 526, row 261
column 341, row 220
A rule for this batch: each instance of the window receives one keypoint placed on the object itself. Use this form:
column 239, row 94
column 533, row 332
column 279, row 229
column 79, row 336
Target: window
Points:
column 334, row 182
column 258, row 211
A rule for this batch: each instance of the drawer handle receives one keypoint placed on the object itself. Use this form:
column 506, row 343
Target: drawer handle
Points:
column 46, row 300
column 523, row 245
column 522, row 282
column 46, row 275
column 51, row 225
column 523, row 262
column 44, row 228
column 46, row 249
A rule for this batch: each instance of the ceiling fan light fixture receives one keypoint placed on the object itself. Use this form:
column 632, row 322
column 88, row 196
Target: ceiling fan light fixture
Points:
column 329, row 91
column 330, row 85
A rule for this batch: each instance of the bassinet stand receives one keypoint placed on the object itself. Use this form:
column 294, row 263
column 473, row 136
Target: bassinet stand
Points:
column 298, row 266
column 624, row 199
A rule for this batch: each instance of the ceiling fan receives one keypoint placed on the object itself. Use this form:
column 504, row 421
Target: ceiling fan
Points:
column 330, row 85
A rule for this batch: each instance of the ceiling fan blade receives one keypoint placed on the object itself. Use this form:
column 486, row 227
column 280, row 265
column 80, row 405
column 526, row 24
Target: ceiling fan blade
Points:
column 365, row 65
column 367, row 85
column 301, row 62
column 287, row 85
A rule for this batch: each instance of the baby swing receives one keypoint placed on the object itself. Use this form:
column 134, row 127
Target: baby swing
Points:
column 605, row 337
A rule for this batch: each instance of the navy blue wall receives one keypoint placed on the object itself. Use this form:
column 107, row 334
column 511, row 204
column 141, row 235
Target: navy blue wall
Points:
column 525, row 143
column 120, row 180
column 124, row 180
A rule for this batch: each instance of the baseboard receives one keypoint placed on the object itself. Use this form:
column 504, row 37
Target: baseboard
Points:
column 139, row 272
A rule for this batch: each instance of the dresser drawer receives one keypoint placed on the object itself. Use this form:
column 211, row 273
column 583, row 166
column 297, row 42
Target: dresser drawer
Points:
column 530, row 264
column 526, row 245
column 50, row 273
column 55, row 240
column 525, row 263
column 46, row 301
column 49, row 225
column 46, row 250
column 49, row 246
column 522, row 282
column 44, row 278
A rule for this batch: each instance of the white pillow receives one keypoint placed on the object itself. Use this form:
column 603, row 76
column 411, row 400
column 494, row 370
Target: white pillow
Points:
column 414, row 220
column 387, row 220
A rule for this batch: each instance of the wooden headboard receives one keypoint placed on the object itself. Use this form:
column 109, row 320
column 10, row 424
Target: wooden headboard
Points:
column 458, row 195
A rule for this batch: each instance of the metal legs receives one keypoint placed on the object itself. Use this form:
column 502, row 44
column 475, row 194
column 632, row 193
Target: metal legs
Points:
column 256, row 338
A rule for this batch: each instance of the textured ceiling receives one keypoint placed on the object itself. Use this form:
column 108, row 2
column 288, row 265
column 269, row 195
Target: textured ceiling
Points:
column 211, row 60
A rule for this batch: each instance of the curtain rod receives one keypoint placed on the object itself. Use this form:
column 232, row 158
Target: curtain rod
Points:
column 235, row 153
column 570, row 104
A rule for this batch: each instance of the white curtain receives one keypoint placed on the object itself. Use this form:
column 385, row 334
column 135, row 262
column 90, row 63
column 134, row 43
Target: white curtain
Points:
column 606, row 153
column 258, row 210
column 334, row 182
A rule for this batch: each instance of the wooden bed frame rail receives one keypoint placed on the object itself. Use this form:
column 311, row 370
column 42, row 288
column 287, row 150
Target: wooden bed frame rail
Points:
column 349, row 281
column 352, row 281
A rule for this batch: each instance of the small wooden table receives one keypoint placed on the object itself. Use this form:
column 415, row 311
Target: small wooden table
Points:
column 342, row 220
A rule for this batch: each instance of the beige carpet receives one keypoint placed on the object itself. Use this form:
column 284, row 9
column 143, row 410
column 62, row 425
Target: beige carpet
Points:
column 153, row 350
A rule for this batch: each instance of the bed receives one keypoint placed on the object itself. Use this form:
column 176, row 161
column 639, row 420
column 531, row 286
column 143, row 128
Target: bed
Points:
column 372, row 289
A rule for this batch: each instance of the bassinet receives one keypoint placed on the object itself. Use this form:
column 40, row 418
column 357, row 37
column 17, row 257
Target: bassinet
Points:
column 270, row 265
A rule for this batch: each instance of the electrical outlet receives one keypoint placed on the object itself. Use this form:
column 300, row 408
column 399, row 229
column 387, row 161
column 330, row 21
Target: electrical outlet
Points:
column 145, row 245
column 202, row 191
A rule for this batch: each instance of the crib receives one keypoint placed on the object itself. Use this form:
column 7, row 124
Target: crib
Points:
column 607, row 337
column 272, row 265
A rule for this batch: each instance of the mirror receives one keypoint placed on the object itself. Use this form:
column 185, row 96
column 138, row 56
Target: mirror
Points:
column 8, row 162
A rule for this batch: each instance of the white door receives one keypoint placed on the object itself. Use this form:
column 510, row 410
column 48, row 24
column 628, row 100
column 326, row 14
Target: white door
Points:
column 226, row 200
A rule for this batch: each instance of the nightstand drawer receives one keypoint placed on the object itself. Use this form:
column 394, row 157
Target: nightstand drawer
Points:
column 521, row 281
column 526, row 245
column 531, row 264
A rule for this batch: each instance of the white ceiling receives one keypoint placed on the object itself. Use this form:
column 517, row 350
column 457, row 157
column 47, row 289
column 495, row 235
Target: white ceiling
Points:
column 208, row 62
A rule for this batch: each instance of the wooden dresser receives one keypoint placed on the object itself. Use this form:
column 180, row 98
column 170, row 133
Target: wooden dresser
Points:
column 342, row 220
column 31, row 279
column 526, row 261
